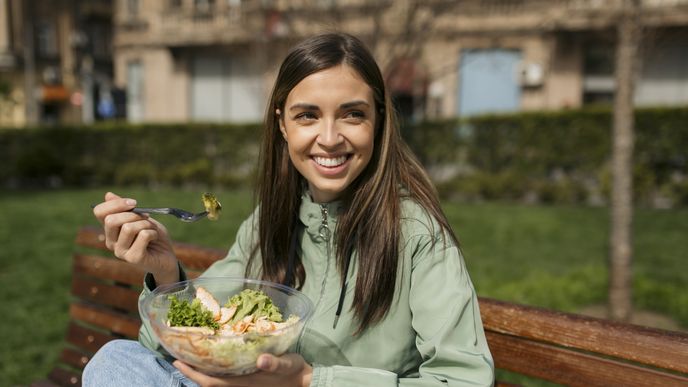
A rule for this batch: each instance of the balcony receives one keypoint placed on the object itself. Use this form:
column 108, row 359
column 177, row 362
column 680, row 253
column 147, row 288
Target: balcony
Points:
column 187, row 26
column 485, row 17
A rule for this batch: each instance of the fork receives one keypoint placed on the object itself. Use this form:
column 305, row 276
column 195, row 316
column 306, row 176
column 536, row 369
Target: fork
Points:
column 183, row 215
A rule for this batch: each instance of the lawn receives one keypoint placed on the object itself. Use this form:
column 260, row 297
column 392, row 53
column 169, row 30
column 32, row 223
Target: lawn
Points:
column 547, row 256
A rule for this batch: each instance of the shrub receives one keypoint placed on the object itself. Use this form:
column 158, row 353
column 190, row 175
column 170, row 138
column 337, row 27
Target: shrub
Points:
column 554, row 157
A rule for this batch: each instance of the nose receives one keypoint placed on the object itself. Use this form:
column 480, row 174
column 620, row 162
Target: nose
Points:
column 330, row 135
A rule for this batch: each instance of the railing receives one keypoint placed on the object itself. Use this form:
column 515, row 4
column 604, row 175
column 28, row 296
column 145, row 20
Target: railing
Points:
column 511, row 7
column 250, row 20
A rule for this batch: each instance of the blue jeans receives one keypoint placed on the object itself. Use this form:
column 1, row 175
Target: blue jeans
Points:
column 128, row 363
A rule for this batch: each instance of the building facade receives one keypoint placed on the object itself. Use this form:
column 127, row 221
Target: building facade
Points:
column 215, row 60
column 55, row 61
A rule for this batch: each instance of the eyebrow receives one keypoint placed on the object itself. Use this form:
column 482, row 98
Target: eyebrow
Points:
column 353, row 103
column 346, row 105
column 304, row 106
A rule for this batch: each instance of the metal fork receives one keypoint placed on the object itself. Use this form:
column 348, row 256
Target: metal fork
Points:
column 183, row 215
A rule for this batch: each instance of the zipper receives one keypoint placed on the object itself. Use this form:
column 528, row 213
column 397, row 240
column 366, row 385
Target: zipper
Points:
column 325, row 233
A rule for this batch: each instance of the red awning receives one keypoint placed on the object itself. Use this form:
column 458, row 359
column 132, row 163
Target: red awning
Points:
column 54, row 93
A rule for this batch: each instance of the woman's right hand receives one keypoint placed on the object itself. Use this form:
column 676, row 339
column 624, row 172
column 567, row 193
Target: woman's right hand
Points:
column 138, row 239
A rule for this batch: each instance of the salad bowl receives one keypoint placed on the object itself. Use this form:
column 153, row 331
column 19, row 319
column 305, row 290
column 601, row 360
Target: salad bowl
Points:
column 220, row 325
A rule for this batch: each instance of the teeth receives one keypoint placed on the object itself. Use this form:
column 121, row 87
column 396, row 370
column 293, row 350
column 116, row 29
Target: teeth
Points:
column 330, row 161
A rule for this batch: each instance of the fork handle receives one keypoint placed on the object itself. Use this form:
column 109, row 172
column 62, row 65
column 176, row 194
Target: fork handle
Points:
column 152, row 210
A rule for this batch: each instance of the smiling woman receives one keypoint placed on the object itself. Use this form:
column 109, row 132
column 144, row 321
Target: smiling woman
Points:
column 348, row 216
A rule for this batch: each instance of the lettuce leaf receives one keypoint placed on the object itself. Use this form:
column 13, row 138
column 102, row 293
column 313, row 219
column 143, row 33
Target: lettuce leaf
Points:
column 185, row 314
column 256, row 303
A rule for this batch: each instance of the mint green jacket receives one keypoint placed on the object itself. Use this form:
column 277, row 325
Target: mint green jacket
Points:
column 432, row 335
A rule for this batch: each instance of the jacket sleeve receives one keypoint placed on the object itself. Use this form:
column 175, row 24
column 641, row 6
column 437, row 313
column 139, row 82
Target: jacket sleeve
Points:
column 446, row 321
column 233, row 264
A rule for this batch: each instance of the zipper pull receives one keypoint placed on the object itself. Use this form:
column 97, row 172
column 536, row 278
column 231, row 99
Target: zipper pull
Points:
column 324, row 229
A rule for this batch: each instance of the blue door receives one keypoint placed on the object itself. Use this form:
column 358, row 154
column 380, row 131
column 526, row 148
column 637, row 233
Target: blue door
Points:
column 488, row 81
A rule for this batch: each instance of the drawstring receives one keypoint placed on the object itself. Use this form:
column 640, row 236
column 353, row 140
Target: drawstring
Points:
column 340, row 304
column 289, row 279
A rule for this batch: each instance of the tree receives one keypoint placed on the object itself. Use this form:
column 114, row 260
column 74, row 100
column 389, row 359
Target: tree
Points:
column 621, row 250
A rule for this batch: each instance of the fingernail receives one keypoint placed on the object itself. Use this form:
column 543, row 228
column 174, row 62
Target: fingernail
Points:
column 130, row 202
column 264, row 362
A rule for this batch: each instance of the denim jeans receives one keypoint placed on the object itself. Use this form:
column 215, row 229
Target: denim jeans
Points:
column 128, row 363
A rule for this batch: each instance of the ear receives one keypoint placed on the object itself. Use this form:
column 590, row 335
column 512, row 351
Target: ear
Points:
column 280, row 121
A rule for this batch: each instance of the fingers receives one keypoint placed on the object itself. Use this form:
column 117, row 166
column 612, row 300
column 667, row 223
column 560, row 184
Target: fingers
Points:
column 126, row 234
column 289, row 364
column 113, row 223
column 133, row 240
column 285, row 370
column 113, row 204
column 269, row 363
column 111, row 196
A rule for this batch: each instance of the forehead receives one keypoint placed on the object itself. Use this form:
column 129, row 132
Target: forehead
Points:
column 341, row 82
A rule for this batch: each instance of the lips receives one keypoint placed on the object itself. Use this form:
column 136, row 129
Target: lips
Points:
column 330, row 162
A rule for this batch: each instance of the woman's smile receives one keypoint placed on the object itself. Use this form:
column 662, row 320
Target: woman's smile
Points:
column 330, row 162
column 331, row 166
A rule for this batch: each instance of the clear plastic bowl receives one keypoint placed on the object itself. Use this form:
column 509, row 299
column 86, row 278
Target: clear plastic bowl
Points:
column 225, row 355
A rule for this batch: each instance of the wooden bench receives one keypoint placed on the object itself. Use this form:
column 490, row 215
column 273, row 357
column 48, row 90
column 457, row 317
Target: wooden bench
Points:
column 559, row 347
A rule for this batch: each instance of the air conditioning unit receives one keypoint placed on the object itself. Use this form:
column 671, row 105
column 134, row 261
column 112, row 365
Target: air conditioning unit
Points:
column 531, row 74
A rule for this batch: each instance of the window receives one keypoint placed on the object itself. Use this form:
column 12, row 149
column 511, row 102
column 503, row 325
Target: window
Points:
column 101, row 38
column 133, row 8
column 204, row 6
column 598, row 74
column 46, row 39
column 135, row 100
column 599, row 59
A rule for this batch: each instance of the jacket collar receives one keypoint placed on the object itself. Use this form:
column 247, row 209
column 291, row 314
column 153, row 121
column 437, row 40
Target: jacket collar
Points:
column 311, row 213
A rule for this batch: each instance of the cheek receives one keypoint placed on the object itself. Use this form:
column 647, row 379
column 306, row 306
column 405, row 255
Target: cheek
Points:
column 366, row 143
column 298, row 148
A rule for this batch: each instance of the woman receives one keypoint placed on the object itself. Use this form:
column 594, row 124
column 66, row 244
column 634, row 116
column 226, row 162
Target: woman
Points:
column 344, row 200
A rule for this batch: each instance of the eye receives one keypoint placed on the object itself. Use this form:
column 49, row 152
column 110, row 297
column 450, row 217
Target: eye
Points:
column 305, row 116
column 355, row 115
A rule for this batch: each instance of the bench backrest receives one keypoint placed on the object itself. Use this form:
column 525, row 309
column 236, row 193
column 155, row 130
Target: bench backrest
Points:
column 559, row 347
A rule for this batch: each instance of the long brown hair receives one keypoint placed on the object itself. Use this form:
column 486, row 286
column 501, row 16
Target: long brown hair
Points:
column 370, row 221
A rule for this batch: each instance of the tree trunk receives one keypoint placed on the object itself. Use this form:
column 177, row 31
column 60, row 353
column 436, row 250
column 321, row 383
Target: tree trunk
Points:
column 621, row 249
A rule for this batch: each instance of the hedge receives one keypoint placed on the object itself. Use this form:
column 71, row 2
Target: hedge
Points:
column 561, row 156
column 565, row 156
column 127, row 155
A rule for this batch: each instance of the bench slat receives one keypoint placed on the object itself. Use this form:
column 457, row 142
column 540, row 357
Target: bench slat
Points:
column 196, row 258
column 64, row 377
column 74, row 358
column 106, row 294
column 86, row 339
column 191, row 256
column 655, row 347
column 43, row 383
column 108, row 268
column 119, row 323
column 571, row 368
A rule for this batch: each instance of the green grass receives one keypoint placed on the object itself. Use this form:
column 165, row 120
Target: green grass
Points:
column 547, row 256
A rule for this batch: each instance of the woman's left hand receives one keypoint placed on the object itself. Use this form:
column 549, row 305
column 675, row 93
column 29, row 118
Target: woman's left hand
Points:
column 286, row 370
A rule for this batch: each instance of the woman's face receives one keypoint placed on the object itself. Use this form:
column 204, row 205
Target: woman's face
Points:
column 329, row 125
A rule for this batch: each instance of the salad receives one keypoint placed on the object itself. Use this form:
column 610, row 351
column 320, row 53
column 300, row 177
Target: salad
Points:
column 212, row 206
column 226, row 339
column 248, row 311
